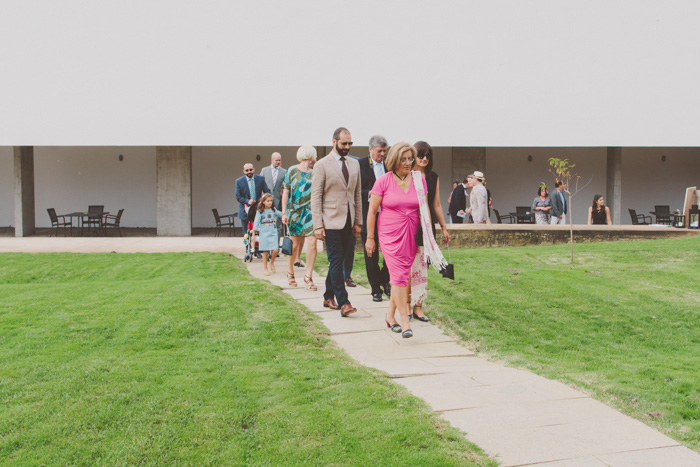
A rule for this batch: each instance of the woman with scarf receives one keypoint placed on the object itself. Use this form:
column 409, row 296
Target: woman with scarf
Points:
column 402, row 196
column 419, row 270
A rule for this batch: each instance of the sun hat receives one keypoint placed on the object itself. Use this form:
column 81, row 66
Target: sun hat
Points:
column 478, row 175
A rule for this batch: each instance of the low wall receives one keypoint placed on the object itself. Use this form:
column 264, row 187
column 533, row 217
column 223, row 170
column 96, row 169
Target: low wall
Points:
column 482, row 236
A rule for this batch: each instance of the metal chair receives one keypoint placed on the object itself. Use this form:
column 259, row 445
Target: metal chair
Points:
column 523, row 215
column 59, row 221
column 112, row 221
column 224, row 221
column 662, row 214
column 93, row 219
column 639, row 219
column 500, row 218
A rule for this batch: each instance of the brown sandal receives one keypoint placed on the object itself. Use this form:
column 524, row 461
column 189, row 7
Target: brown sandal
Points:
column 291, row 280
column 310, row 283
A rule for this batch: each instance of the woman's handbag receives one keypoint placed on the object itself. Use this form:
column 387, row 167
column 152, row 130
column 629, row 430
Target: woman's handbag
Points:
column 419, row 237
column 287, row 246
column 449, row 270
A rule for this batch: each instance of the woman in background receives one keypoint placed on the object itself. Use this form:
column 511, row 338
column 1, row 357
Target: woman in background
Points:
column 541, row 206
column 599, row 213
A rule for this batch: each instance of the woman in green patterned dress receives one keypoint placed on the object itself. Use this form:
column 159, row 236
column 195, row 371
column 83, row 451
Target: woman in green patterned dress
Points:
column 296, row 213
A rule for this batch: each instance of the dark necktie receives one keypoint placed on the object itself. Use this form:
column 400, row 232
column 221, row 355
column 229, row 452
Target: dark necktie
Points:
column 346, row 174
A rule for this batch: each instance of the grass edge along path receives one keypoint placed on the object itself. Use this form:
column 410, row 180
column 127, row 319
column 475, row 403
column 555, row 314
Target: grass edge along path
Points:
column 620, row 324
column 184, row 358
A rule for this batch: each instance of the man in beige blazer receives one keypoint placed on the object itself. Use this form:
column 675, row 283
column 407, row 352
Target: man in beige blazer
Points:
column 336, row 210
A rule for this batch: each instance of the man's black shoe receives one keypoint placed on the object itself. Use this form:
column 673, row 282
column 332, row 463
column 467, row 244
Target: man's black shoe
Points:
column 387, row 290
column 377, row 297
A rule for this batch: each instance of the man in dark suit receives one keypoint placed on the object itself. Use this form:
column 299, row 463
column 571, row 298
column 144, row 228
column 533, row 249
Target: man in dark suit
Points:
column 371, row 168
column 458, row 202
column 249, row 190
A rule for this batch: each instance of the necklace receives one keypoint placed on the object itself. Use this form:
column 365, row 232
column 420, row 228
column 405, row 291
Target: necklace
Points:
column 402, row 181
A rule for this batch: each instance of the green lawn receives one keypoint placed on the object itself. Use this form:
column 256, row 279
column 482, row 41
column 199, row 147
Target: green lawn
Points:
column 622, row 324
column 184, row 359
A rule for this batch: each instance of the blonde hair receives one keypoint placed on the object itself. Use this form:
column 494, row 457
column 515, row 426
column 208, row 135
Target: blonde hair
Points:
column 306, row 153
column 261, row 204
column 395, row 153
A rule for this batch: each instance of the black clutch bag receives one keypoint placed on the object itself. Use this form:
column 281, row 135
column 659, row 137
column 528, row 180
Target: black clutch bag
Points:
column 419, row 236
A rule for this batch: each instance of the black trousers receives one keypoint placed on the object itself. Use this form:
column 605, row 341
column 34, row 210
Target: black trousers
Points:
column 375, row 275
column 456, row 219
column 338, row 242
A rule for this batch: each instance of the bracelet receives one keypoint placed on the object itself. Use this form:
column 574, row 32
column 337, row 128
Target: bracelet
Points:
column 370, row 238
column 443, row 226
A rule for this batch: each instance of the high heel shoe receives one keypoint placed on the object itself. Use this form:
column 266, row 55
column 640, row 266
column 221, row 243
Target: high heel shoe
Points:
column 394, row 327
column 292, row 281
column 407, row 333
column 309, row 283
column 423, row 318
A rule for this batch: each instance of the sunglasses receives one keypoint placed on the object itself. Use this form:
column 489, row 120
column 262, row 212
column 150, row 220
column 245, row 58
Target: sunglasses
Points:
column 421, row 156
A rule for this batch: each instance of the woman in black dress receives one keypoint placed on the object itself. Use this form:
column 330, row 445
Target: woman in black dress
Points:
column 599, row 213
column 424, row 165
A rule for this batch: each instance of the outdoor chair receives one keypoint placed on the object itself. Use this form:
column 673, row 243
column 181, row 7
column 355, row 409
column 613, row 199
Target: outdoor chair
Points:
column 639, row 219
column 93, row 219
column 59, row 221
column 523, row 215
column 500, row 218
column 662, row 214
column 224, row 221
column 111, row 221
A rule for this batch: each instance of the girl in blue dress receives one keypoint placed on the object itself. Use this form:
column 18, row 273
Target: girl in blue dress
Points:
column 266, row 226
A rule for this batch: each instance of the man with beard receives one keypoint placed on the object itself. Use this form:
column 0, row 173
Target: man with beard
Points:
column 336, row 211
column 249, row 190
column 371, row 168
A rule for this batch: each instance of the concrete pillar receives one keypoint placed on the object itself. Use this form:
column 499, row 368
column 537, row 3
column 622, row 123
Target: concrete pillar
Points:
column 613, row 194
column 24, row 191
column 466, row 160
column 174, row 190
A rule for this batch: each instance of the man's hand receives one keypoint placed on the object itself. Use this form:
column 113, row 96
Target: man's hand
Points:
column 320, row 233
column 251, row 202
column 356, row 229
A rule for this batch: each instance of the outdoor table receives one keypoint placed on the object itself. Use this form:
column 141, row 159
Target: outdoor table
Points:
column 81, row 215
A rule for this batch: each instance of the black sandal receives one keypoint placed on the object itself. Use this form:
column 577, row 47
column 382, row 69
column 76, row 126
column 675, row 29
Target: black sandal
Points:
column 423, row 318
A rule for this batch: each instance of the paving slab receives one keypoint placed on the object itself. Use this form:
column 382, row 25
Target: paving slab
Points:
column 525, row 446
column 366, row 347
column 677, row 456
column 588, row 461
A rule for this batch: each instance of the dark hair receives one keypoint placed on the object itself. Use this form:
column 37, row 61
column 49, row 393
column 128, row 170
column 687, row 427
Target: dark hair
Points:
column 466, row 179
column 558, row 183
column 339, row 131
column 539, row 191
column 424, row 148
column 595, row 201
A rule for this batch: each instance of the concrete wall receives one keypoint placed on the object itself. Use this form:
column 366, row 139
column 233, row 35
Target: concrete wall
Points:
column 648, row 181
column 7, row 187
column 513, row 180
column 71, row 178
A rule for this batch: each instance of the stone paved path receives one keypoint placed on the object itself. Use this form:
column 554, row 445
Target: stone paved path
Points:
column 516, row 416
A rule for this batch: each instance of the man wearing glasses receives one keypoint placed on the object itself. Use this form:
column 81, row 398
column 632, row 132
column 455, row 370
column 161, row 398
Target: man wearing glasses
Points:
column 336, row 210
column 371, row 168
column 249, row 190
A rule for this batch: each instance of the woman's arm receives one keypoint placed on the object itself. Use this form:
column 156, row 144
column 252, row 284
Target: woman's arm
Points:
column 590, row 215
column 437, row 207
column 374, row 202
column 285, row 198
column 607, row 212
column 534, row 204
column 548, row 204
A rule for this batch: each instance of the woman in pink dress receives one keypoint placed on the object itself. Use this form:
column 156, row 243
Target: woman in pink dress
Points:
column 396, row 194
